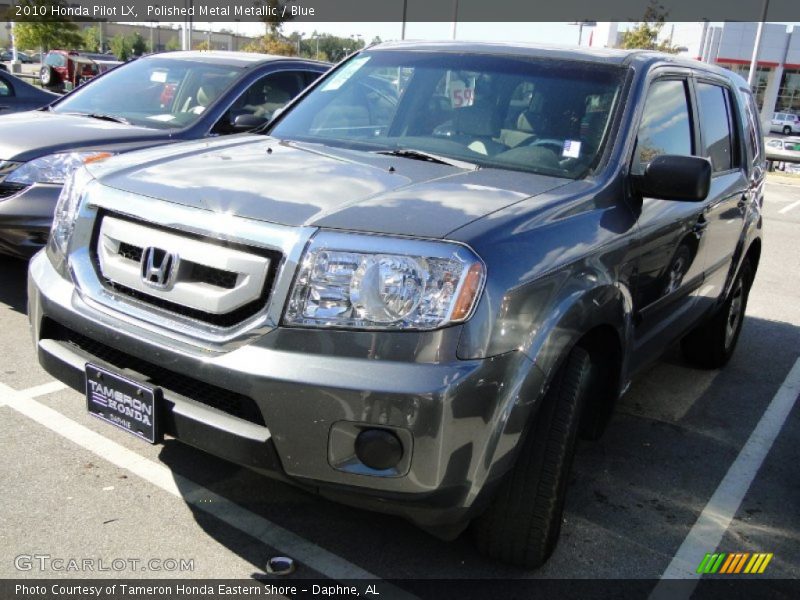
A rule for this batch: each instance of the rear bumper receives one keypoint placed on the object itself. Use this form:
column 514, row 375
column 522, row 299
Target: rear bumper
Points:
column 25, row 219
column 460, row 421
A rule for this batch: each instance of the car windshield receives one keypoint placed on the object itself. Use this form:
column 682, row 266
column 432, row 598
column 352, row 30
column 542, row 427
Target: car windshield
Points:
column 542, row 116
column 159, row 92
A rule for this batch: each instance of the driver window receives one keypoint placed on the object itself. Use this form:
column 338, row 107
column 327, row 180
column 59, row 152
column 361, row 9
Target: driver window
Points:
column 666, row 126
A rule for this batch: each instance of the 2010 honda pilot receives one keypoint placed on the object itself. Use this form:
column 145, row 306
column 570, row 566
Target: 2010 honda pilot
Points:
column 422, row 282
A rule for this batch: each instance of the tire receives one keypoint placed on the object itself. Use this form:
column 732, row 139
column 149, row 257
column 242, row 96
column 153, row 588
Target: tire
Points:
column 46, row 76
column 711, row 344
column 523, row 521
column 787, row 130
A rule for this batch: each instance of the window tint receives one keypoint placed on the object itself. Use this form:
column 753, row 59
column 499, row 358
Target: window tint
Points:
column 666, row 126
column 5, row 89
column 715, row 120
column 268, row 94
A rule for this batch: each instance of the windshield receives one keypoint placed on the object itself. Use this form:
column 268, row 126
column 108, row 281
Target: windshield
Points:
column 542, row 116
column 161, row 93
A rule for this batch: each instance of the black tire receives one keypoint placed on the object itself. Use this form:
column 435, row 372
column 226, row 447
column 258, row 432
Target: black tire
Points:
column 711, row 344
column 46, row 76
column 522, row 524
column 787, row 130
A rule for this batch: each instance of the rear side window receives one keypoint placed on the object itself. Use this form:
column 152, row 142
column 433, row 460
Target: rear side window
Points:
column 753, row 128
column 666, row 126
column 715, row 125
column 5, row 90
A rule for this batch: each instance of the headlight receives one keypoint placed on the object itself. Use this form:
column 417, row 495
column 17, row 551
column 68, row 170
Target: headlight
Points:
column 54, row 168
column 67, row 209
column 371, row 282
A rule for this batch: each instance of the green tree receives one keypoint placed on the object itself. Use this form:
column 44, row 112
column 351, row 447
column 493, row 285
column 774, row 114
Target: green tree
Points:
column 272, row 44
column 644, row 36
column 91, row 39
column 138, row 45
column 46, row 34
column 274, row 23
column 121, row 47
column 173, row 44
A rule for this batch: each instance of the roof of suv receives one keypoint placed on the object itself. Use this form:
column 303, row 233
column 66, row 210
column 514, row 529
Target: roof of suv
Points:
column 600, row 55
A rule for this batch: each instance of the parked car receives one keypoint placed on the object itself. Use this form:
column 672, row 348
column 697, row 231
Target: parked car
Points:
column 22, row 57
column 786, row 150
column 64, row 70
column 155, row 100
column 17, row 95
column 786, row 123
column 413, row 296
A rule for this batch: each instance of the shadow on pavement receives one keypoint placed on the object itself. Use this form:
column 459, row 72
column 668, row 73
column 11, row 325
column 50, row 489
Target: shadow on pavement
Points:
column 13, row 278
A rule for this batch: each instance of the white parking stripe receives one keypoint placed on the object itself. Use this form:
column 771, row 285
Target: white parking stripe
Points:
column 786, row 209
column 44, row 389
column 717, row 515
column 193, row 494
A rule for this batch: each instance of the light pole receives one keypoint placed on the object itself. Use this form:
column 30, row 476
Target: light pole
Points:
column 300, row 35
column 751, row 77
column 316, row 37
column 405, row 12
column 455, row 17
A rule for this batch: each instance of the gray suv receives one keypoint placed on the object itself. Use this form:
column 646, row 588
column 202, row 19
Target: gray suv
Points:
column 422, row 282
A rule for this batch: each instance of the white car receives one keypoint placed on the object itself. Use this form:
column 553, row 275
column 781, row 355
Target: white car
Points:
column 786, row 123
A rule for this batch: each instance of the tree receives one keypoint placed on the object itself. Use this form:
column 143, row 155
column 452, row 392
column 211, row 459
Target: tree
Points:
column 91, row 39
column 138, row 45
column 272, row 44
column 121, row 47
column 275, row 20
column 46, row 34
column 173, row 44
column 644, row 36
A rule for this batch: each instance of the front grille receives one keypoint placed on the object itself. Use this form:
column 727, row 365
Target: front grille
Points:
column 224, row 400
column 9, row 189
column 190, row 271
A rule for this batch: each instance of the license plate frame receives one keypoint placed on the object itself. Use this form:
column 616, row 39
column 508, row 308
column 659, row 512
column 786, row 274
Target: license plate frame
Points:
column 123, row 402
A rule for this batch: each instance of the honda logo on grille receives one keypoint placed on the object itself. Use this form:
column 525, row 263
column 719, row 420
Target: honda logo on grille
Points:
column 159, row 267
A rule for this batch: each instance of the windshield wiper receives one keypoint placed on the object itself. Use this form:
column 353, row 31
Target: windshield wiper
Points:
column 102, row 117
column 427, row 156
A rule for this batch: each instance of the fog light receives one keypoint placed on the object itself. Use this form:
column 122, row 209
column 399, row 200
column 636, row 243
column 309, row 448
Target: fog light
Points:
column 378, row 449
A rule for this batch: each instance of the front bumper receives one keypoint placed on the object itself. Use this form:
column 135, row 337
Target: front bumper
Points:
column 461, row 420
column 25, row 219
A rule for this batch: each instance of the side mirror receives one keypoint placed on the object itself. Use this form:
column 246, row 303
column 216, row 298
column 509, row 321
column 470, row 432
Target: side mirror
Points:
column 248, row 122
column 670, row 177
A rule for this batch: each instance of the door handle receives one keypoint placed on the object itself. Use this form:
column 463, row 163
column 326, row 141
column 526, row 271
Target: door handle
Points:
column 699, row 226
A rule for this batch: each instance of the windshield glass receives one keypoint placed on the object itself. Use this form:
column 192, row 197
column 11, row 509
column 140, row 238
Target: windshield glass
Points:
column 542, row 116
column 161, row 93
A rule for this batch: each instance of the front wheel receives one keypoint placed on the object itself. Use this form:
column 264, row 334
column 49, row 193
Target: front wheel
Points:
column 522, row 524
column 787, row 130
column 711, row 344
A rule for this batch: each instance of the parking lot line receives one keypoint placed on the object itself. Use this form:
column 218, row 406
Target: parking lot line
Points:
column 720, row 510
column 197, row 496
column 792, row 206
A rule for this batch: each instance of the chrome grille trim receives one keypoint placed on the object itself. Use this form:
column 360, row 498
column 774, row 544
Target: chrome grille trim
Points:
column 100, row 199
column 250, row 270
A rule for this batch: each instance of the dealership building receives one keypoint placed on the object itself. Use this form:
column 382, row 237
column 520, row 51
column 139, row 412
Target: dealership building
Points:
column 730, row 45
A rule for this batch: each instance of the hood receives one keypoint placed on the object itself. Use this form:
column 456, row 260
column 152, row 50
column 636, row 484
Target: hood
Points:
column 28, row 135
column 297, row 184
